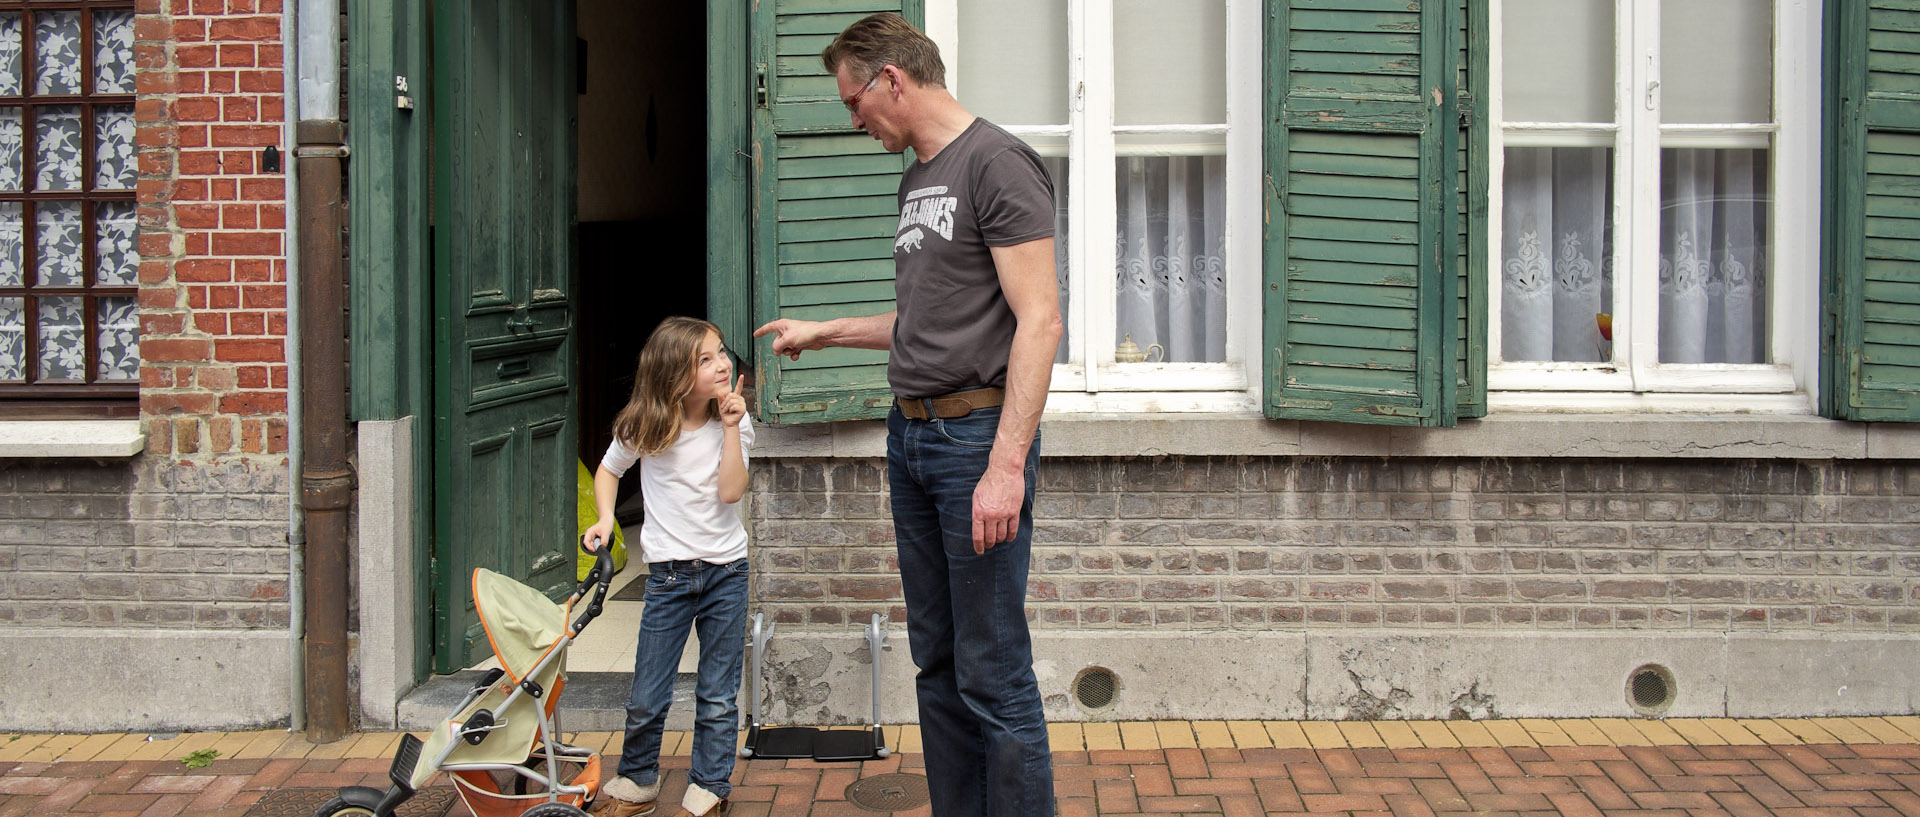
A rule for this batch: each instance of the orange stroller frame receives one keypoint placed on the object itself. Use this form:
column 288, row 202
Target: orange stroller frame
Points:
column 530, row 636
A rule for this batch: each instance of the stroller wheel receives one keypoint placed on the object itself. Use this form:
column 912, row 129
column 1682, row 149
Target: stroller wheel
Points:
column 553, row 810
column 350, row 803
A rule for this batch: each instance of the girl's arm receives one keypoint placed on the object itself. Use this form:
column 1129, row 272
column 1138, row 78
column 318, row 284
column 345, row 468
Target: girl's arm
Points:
column 606, row 487
column 733, row 465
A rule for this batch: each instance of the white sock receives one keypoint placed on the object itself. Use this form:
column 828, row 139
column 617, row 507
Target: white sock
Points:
column 621, row 788
column 698, row 800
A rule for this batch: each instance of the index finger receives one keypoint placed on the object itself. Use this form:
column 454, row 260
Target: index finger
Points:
column 735, row 387
column 765, row 328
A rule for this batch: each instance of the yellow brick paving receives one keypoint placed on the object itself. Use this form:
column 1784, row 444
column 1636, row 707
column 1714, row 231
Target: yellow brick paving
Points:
column 1073, row 737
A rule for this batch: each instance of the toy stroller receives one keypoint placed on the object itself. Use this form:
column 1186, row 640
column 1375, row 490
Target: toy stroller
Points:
column 506, row 723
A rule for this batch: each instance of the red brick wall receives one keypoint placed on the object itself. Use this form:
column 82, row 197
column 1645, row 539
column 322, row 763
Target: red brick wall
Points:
column 213, row 295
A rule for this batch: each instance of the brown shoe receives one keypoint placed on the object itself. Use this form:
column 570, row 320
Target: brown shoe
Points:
column 616, row 807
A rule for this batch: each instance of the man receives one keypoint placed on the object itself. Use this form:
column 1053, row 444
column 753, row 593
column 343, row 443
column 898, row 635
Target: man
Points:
column 971, row 346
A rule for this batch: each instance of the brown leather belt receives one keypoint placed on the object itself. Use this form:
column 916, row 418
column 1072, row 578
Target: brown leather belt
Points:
column 949, row 406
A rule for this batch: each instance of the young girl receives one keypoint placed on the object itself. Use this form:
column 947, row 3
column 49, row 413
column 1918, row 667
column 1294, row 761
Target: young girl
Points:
column 687, row 425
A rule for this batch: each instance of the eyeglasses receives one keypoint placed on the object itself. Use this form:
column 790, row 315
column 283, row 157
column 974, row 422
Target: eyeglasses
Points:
column 853, row 102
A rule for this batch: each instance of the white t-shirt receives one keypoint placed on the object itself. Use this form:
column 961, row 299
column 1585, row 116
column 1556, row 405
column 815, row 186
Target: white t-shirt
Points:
column 680, row 488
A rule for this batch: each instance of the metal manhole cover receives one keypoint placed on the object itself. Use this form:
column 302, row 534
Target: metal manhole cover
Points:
column 889, row 792
column 432, row 802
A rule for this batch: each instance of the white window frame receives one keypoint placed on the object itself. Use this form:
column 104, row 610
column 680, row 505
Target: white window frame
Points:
column 1092, row 381
column 1793, row 141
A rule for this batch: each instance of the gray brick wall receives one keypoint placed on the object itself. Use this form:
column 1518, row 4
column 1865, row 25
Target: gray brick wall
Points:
column 1268, row 543
column 147, row 544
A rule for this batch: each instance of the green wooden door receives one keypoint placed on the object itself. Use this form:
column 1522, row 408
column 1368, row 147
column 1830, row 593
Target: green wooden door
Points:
column 1369, row 278
column 1872, row 242
column 824, row 212
column 504, row 427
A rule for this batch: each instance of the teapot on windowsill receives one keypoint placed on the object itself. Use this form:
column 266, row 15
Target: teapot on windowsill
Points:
column 1128, row 352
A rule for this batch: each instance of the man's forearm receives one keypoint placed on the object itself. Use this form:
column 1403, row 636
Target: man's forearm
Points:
column 867, row 332
column 1029, row 374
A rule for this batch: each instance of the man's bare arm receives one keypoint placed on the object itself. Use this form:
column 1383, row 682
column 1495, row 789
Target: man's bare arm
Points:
column 1026, row 274
column 791, row 337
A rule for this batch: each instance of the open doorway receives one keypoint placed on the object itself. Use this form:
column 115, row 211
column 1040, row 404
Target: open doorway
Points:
column 642, row 200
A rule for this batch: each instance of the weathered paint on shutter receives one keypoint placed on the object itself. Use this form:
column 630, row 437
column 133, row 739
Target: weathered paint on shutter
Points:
column 825, row 209
column 1365, row 213
column 1470, row 311
column 1872, row 181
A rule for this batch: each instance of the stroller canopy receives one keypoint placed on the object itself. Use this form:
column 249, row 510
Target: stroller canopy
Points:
column 521, row 623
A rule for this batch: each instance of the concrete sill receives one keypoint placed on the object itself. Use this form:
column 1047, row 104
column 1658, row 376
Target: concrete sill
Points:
column 1702, row 436
column 79, row 439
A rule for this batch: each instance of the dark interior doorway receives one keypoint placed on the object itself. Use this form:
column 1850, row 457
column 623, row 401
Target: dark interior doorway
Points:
column 642, row 172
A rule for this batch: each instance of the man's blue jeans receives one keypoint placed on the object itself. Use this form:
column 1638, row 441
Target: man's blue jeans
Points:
column 981, row 722
column 681, row 595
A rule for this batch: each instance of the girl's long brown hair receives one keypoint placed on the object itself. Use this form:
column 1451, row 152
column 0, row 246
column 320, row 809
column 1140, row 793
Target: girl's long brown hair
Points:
column 651, row 421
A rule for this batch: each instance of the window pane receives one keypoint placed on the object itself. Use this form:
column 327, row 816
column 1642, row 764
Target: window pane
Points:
column 57, row 226
column 1716, row 61
column 1559, row 60
column 13, row 340
column 12, row 142
column 113, row 152
column 1556, row 255
column 119, row 326
column 1170, row 62
column 56, row 133
column 1013, row 60
column 11, row 77
column 1171, row 256
column 1713, row 256
column 56, row 42
column 115, row 262
column 113, row 52
column 12, row 240
column 63, row 341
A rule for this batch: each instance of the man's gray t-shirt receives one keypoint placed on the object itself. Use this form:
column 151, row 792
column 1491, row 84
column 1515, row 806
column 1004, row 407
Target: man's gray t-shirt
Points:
column 954, row 329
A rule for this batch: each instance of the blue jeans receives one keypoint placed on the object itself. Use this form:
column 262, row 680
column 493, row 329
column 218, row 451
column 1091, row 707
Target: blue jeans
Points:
column 681, row 595
column 981, row 723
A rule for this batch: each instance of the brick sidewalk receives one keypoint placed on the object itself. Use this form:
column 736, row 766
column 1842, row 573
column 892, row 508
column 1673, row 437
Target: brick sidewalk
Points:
column 1823, row 767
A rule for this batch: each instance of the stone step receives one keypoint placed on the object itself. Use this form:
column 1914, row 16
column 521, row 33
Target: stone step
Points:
column 591, row 702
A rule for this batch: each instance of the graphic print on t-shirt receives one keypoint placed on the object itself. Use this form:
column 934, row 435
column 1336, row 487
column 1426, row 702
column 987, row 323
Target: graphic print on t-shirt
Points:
column 926, row 207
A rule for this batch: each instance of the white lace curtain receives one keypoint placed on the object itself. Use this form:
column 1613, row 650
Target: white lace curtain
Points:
column 1557, row 272
column 1171, row 256
column 59, row 319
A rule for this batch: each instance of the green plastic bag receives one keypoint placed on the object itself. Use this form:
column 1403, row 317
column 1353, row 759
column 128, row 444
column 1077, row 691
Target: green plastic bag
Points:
column 586, row 513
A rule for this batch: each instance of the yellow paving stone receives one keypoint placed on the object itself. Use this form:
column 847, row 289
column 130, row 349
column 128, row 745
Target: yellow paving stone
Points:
column 1287, row 735
column 910, row 739
column 1249, row 735
column 121, row 748
column 17, row 746
column 1176, row 735
column 1584, row 732
column 295, row 746
column 1545, row 732
column 1101, row 736
column 1360, row 734
column 1066, row 737
column 677, row 743
column 1768, row 731
column 1397, row 734
column 1696, row 732
column 1472, row 733
column 1323, row 735
column 230, row 743
column 1139, row 735
column 51, row 749
column 1659, row 733
column 329, row 751
column 1806, row 730
column 1908, row 724
column 1845, row 730
column 378, row 744
column 1731, row 732
column 262, row 744
column 1213, row 734
column 161, row 749
column 1434, row 735
column 91, row 746
column 1879, row 728
column 1509, row 733
column 1620, row 733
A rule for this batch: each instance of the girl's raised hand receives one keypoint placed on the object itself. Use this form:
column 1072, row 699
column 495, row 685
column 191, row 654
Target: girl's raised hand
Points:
column 732, row 405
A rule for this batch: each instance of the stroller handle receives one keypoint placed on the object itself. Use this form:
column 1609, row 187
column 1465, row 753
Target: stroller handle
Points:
column 600, row 578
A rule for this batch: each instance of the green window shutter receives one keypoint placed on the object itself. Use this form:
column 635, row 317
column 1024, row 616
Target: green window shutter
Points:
column 1871, row 326
column 824, row 212
column 1365, row 221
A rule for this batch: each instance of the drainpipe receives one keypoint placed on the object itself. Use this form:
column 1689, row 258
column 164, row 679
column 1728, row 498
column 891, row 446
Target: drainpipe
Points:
column 326, row 480
column 296, row 450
